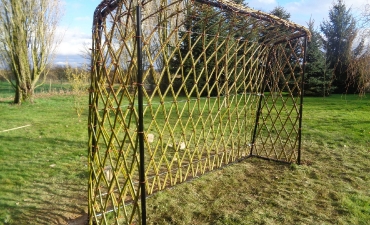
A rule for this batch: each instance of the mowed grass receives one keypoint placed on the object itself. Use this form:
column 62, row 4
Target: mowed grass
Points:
column 43, row 167
column 43, row 172
column 331, row 187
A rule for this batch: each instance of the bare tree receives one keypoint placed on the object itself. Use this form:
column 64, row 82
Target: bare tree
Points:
column 358, row 73
column 28, row 41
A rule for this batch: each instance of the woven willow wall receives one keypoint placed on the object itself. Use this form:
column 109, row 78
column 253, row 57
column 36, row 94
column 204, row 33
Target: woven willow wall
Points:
column 221, row 82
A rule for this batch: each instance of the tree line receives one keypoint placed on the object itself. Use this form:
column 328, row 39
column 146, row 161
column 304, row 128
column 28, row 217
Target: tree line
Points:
column 338, row 55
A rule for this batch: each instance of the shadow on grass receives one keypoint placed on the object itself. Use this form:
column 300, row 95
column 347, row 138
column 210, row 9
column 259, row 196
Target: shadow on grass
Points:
column 51, row 209
column 6, row 102
column 46, row 185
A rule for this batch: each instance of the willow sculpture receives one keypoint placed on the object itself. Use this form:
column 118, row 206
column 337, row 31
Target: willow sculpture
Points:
column 180, row 88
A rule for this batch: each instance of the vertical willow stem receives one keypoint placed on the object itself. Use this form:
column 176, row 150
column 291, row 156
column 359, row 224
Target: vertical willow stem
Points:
column 301, row 103
column 141, row 112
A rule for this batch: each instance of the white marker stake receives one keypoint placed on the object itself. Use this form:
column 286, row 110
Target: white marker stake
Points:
column 16, row 128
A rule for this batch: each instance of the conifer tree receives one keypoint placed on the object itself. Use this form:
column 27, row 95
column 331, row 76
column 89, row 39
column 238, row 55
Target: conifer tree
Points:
column 280, row 12
column 339, row 34
column 201, row 26
column 317, row 74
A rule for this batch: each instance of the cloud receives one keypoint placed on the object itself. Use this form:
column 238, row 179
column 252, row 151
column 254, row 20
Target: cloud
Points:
column 73, row 44
column 357, row 4
column 77, row 30
column 302, row 10
column 71, row 60
column 304, row 6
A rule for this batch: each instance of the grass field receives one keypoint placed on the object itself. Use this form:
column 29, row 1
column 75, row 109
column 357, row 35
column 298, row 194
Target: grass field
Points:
column 51, row 87
column 43, row 171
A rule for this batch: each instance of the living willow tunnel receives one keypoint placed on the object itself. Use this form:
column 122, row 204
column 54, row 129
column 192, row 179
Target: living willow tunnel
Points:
column 180, row 88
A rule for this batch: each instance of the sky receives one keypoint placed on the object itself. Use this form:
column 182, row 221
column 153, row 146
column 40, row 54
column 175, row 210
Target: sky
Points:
column 76, row 23
column 75, row 29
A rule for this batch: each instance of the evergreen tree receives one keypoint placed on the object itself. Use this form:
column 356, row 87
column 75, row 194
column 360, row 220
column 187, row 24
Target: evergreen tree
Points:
column 317, row 75
column 206, row 58
column 281, row 79
column 280, row 12
column 339, row 33
column 189, row 61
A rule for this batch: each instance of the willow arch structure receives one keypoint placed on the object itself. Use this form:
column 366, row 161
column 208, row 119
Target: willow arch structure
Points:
column 180, row 88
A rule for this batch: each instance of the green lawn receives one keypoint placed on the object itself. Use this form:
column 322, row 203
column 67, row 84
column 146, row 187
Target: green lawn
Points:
column 7, row 92
column 43, row 171
column 43, row 166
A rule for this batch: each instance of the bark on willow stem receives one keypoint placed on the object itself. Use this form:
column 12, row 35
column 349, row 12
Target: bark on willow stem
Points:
column 27, row 42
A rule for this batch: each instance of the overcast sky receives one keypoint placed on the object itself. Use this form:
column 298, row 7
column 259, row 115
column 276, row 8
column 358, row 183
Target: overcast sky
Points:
column 78, row 14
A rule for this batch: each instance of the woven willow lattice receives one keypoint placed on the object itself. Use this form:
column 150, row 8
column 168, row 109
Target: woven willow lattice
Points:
column 221, row 82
